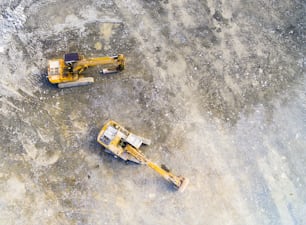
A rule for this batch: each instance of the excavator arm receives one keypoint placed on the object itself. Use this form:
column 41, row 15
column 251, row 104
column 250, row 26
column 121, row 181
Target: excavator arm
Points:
column 117, row 63
column 178, row 181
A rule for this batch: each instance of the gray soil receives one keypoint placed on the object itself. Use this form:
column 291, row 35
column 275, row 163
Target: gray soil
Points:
column 218, row 86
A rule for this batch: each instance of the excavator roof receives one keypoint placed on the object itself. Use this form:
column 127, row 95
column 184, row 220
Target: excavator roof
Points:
column 71, row 57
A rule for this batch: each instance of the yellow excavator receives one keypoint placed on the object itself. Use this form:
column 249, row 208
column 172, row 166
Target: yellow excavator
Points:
column 67, row 71
column 123, row 144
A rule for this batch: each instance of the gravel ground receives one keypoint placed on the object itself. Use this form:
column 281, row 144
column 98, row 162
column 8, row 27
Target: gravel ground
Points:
column 218, row 86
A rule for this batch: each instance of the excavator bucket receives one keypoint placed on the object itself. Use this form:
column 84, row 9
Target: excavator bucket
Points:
column 183, row 185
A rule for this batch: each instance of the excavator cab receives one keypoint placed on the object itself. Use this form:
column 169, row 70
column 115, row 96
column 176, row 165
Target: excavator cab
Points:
column 70, row 59
column 121, row 143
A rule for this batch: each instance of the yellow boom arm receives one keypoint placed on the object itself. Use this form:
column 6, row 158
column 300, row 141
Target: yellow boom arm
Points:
column 117, row 62
column 179, row 182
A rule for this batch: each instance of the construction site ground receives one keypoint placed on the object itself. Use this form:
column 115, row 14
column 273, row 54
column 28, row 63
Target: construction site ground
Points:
column 218, row 86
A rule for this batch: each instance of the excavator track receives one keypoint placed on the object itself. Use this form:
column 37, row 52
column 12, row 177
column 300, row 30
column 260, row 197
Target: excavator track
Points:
column 81, row 82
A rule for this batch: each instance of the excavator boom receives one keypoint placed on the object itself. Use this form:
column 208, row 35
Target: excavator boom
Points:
column 115, row 62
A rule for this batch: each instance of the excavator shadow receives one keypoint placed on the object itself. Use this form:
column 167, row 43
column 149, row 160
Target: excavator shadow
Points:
column 41, row 80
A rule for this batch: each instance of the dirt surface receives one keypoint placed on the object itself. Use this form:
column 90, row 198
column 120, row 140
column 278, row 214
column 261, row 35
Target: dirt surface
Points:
column 218, row 86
